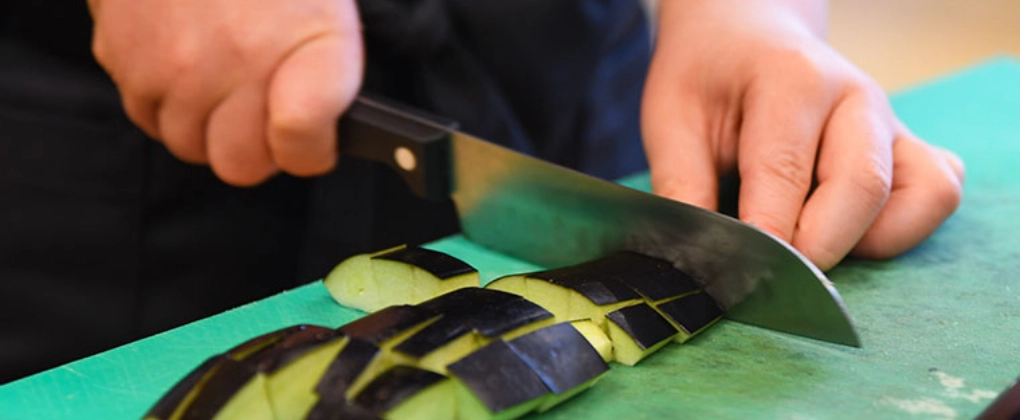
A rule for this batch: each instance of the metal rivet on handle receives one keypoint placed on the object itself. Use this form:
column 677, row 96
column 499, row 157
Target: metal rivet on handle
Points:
column 405, row 159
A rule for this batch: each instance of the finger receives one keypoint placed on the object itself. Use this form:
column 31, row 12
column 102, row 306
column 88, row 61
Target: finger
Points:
column 184, row 113
column 926, row 190
column 776, row 156
column 854, row 173
column 308, row 92
column 237, row 148
column 954, row 162
column 678, row 147
column 142, row 110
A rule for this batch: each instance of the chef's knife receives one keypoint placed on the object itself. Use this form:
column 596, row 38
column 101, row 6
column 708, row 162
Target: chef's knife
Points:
column 554, row 216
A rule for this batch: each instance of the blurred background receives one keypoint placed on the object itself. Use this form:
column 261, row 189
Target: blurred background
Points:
column 904, row 42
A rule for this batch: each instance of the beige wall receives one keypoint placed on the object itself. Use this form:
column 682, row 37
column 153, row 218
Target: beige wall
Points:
column 903, row 42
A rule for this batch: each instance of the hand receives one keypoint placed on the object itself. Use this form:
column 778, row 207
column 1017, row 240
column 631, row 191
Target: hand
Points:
column 748, row 87
column 249, row 87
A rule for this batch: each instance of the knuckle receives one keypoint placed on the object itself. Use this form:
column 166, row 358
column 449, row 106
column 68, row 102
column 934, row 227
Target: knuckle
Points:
column 788, row 169
column 873, row 183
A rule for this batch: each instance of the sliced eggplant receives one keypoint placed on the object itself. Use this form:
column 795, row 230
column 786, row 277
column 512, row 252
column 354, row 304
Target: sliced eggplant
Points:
column 637, row 331
column 596, row 337
column 234, row 387
column 653, row 278
column 173, row 403
column 406, row 392
column 390, row 325
column 599, row 286
column 340, row 409
column 442, row 266
column 469, row 318
column 292, row 380
column 439, row 344
column 356, row 364
column 466, row 300
column 236, row 391
column 496, row 383
column 563, row 358
column 566, row 303
column 397, row 276
column 691, row 314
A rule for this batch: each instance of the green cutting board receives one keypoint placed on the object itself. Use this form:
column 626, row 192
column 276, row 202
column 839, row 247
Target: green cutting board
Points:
column 940, row 324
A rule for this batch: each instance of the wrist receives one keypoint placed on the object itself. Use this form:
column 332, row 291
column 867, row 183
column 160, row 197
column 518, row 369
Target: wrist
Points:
column 808, row 15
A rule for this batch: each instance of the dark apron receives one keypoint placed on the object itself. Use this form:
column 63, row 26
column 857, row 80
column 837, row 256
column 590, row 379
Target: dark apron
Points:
column 106, row 238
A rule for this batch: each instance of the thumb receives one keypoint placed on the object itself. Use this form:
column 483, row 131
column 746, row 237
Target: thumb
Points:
column 307, row 93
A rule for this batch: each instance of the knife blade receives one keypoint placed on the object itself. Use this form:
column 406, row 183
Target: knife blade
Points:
column 554, row 216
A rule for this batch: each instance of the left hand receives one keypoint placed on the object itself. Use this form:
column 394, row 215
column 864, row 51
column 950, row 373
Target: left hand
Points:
column 750, row 87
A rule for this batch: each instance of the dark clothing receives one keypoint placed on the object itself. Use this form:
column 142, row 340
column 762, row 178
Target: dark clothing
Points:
column 106, row 238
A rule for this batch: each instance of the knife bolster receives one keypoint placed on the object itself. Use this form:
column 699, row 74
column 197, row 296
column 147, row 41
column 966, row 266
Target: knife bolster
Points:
column 414, row 144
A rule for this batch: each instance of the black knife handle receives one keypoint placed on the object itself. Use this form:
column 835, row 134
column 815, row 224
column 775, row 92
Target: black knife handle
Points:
column 413, row 143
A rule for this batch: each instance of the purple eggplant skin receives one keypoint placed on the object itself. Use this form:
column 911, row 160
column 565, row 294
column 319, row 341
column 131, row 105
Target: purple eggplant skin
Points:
column 219, row 389
column 622, row 276
column 692, row 312
column 468, row 299
column 1006, row 406
column 560, row 355
column 434, row 336
column 653, row 278
column 262, row 342
column 498, row 377
column 340, row 409
column 285, row 345
column 492, row 320
column 293, row 347
column 602, row 288
column 356, row 355
column 643, row 324
column 393, row 387
column 439, row 264
column 223, row 375
column 387, row 323
column 495, row 320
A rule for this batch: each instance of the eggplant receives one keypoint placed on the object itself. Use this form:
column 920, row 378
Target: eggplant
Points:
column 392, row 324
column 406, row 392
column 442, row 266
column 652, row 278
column 566, row 303
column 596, row 337
column 340, row 409
column 243, row 389
column 437, row 345
column 496, row 383
column 599, row 286
column 563, row 358
column 466, row 300
column 469, row 318
column 356, row 364
column 691, row 314
column 397, row 276
column 170, row 405
column 637, row 331
column 183, row 395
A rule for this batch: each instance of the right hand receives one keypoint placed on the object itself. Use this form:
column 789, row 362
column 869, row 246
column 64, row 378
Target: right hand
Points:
column 249, row 87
